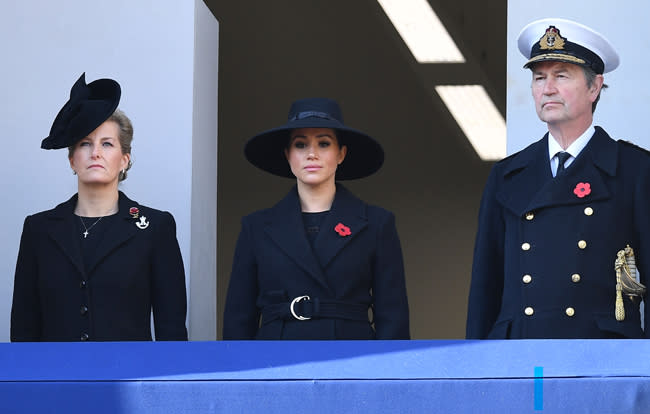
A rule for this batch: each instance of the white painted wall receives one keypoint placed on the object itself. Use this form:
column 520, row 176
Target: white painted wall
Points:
column 624, row 106
column 149, row 48
column 203, row 291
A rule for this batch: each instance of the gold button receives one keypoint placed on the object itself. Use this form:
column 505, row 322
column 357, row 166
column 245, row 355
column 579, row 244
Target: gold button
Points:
column 575, row 278
column 589, row 211
column 529, row 311
column 527, row 278
column 570, row 311
column 582, row 244
column 530, row 215
column 525, row 246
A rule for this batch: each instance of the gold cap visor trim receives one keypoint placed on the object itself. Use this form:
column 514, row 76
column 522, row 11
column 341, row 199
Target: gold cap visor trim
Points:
column 555, row 56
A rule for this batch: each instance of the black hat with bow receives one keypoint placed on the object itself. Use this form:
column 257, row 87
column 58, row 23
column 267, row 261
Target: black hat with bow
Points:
column 88, row 107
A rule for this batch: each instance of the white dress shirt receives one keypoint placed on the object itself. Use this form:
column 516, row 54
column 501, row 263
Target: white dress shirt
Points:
column 573, row 150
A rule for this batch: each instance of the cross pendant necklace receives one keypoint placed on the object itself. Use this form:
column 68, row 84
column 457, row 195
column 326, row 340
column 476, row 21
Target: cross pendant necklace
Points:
column 86, row 232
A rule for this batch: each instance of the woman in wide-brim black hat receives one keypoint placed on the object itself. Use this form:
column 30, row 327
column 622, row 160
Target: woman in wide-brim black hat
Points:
column 320, row 264
column 95, row 267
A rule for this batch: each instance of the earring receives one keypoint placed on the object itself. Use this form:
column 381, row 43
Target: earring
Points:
column 74, row 172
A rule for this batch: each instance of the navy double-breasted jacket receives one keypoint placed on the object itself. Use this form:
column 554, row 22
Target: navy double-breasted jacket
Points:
column 544, row 256
column 136, row 269
column 274, row 263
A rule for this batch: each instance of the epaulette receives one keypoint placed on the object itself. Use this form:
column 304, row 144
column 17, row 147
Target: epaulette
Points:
column 629, row 144
column 508, row 157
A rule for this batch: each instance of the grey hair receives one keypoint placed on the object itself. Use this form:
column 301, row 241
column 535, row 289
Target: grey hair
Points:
column 590, row 77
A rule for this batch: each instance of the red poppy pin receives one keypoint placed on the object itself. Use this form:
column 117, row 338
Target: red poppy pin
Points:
column 134, row 212
column 582, row 189
column 342, row 230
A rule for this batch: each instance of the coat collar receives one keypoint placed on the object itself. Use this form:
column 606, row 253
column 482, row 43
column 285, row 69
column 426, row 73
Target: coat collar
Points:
column 286, row 228
column 528, row 184
column 349, row 212
column 62, row 224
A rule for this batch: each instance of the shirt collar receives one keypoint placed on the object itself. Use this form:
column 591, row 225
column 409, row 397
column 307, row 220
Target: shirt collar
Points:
column 575, row 148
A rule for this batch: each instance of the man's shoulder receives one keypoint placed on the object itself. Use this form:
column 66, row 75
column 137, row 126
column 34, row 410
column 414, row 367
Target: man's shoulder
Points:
column 625, row 147
column 631, row 148
column 520, row 158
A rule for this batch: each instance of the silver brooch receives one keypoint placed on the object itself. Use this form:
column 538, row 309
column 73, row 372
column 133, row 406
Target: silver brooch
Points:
column 143, row 223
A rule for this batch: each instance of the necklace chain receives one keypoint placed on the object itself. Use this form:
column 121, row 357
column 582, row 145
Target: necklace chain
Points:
column 87, row 229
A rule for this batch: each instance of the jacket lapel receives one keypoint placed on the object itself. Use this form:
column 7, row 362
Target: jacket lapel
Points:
column 527, row 173
column 598, row 157
column 62, row 231
column 285, row 227
column 346, row 210
column 124, row 229
column 531, row 186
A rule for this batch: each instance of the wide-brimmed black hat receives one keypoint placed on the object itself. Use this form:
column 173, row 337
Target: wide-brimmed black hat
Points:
column 266, row 150
column 88, row 107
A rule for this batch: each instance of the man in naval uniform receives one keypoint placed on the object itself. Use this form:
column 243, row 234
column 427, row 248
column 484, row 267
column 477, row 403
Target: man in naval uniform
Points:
column 565, row 223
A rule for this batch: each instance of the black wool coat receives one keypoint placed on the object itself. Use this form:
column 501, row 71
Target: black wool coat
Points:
column 544, row 257
column 274, row 263
column 135, row 271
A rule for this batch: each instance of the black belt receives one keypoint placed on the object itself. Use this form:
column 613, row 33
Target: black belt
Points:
column 303, row 308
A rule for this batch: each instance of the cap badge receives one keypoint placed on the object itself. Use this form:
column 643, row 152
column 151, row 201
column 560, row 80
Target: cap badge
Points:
column 552, row 40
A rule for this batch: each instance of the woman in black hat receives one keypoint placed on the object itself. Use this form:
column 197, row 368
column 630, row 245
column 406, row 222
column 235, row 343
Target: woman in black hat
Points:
column 96, row 266
column 320, row 264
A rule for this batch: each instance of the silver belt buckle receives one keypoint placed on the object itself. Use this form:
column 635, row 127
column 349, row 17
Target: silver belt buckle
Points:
column 293, row 302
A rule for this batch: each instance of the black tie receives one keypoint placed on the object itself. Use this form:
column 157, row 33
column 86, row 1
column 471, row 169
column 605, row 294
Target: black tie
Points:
column 562, row 157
